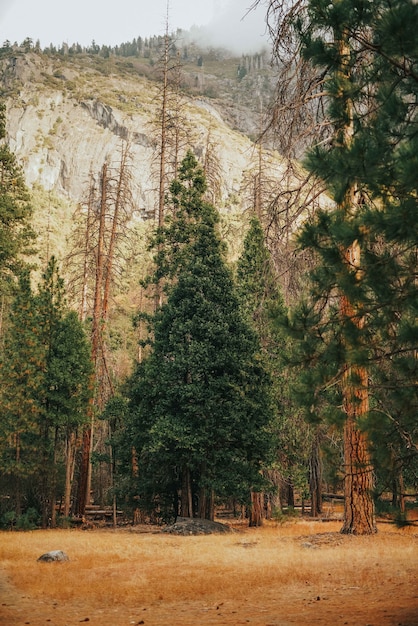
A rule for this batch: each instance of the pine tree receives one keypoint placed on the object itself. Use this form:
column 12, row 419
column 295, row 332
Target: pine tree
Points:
column 22, row 368
column 199, row 401
column 263, row 303
column 16, row 235
column 44, row 371
column 363, row 296
column 67, row 388
column 389, row 145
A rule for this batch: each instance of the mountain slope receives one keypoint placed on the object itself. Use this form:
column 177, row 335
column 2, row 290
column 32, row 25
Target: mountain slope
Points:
column 67, row 115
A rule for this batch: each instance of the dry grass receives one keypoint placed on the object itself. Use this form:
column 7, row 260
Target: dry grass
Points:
column 118, row 567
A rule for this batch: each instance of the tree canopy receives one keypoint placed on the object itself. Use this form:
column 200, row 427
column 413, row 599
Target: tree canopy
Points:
column 200, row 400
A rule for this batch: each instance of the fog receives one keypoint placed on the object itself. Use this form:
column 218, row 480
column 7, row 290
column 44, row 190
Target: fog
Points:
column 226, row 23
column 236, row 28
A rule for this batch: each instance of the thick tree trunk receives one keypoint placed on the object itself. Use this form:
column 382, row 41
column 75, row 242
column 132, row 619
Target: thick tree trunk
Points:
column 359, row 516
column 256, row 509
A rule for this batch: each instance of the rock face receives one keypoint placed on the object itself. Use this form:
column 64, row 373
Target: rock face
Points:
column 54, row 555
column 64, row 120
column 196, row 526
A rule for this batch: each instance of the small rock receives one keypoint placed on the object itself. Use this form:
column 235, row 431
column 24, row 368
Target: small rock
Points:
column 54, row 555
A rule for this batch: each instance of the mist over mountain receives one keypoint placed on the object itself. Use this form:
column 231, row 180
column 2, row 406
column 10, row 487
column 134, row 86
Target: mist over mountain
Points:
column 225, row 23
column 240, row 30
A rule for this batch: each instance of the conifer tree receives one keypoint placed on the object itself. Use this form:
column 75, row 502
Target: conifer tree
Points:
column 22, row 367
column 199, row 402
column 358, row 328
column 16, row 234
column 263, row 303
column 67, row 388
column 44, row 371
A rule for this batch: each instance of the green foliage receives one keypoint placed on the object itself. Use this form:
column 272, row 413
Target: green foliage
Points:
column 16, row 235
column 26, row 521
column 45, row 370
column 372, row 89
column 263, row 305
column 21, row 372
column 200, row 400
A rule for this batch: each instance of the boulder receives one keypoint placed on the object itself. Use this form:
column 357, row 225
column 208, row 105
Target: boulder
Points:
column 196, row 526
column 54, row 555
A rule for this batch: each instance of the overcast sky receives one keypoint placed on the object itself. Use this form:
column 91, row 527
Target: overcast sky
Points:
column 112, row 22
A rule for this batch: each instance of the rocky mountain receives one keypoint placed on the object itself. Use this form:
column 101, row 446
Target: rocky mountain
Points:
column 67, row 114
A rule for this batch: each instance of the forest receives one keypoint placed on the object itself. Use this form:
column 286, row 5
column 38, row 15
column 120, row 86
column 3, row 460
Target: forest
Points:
column 254, row 381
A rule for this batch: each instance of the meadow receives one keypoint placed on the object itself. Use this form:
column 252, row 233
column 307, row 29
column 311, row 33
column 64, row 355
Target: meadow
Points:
column 298, row 572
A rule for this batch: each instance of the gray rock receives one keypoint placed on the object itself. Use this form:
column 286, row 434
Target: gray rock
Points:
column 196, row 526
column 54, row 555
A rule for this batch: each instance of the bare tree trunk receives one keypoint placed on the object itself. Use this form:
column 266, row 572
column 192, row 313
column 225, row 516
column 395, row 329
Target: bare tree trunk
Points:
column 85, row 468
column 315, row 477
column 256, row 509
column 53, row 483
column 69, row 472
column 82, row 312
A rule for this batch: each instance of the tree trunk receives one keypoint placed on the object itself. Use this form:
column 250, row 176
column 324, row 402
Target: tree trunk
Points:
column 69, row 472
column 315, row 477
column 290, row 494
column 53, row 483
column 359, row 516
column 401, row 492
column 186, row 503
column 85, row 469
column 206, row 504
column 256, row 509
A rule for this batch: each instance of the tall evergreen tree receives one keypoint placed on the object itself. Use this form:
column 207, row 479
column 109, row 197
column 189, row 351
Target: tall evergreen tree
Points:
column 359, row 325
column 16, row 235
column 44, row 371
column 264, row 305
column 200, row 402
column 22, row 367
column 67, row 388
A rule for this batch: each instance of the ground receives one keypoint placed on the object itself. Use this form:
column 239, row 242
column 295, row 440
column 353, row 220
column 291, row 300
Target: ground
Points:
column 378, row 586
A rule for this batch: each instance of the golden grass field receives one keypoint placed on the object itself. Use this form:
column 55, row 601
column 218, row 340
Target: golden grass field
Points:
column 300, row 572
